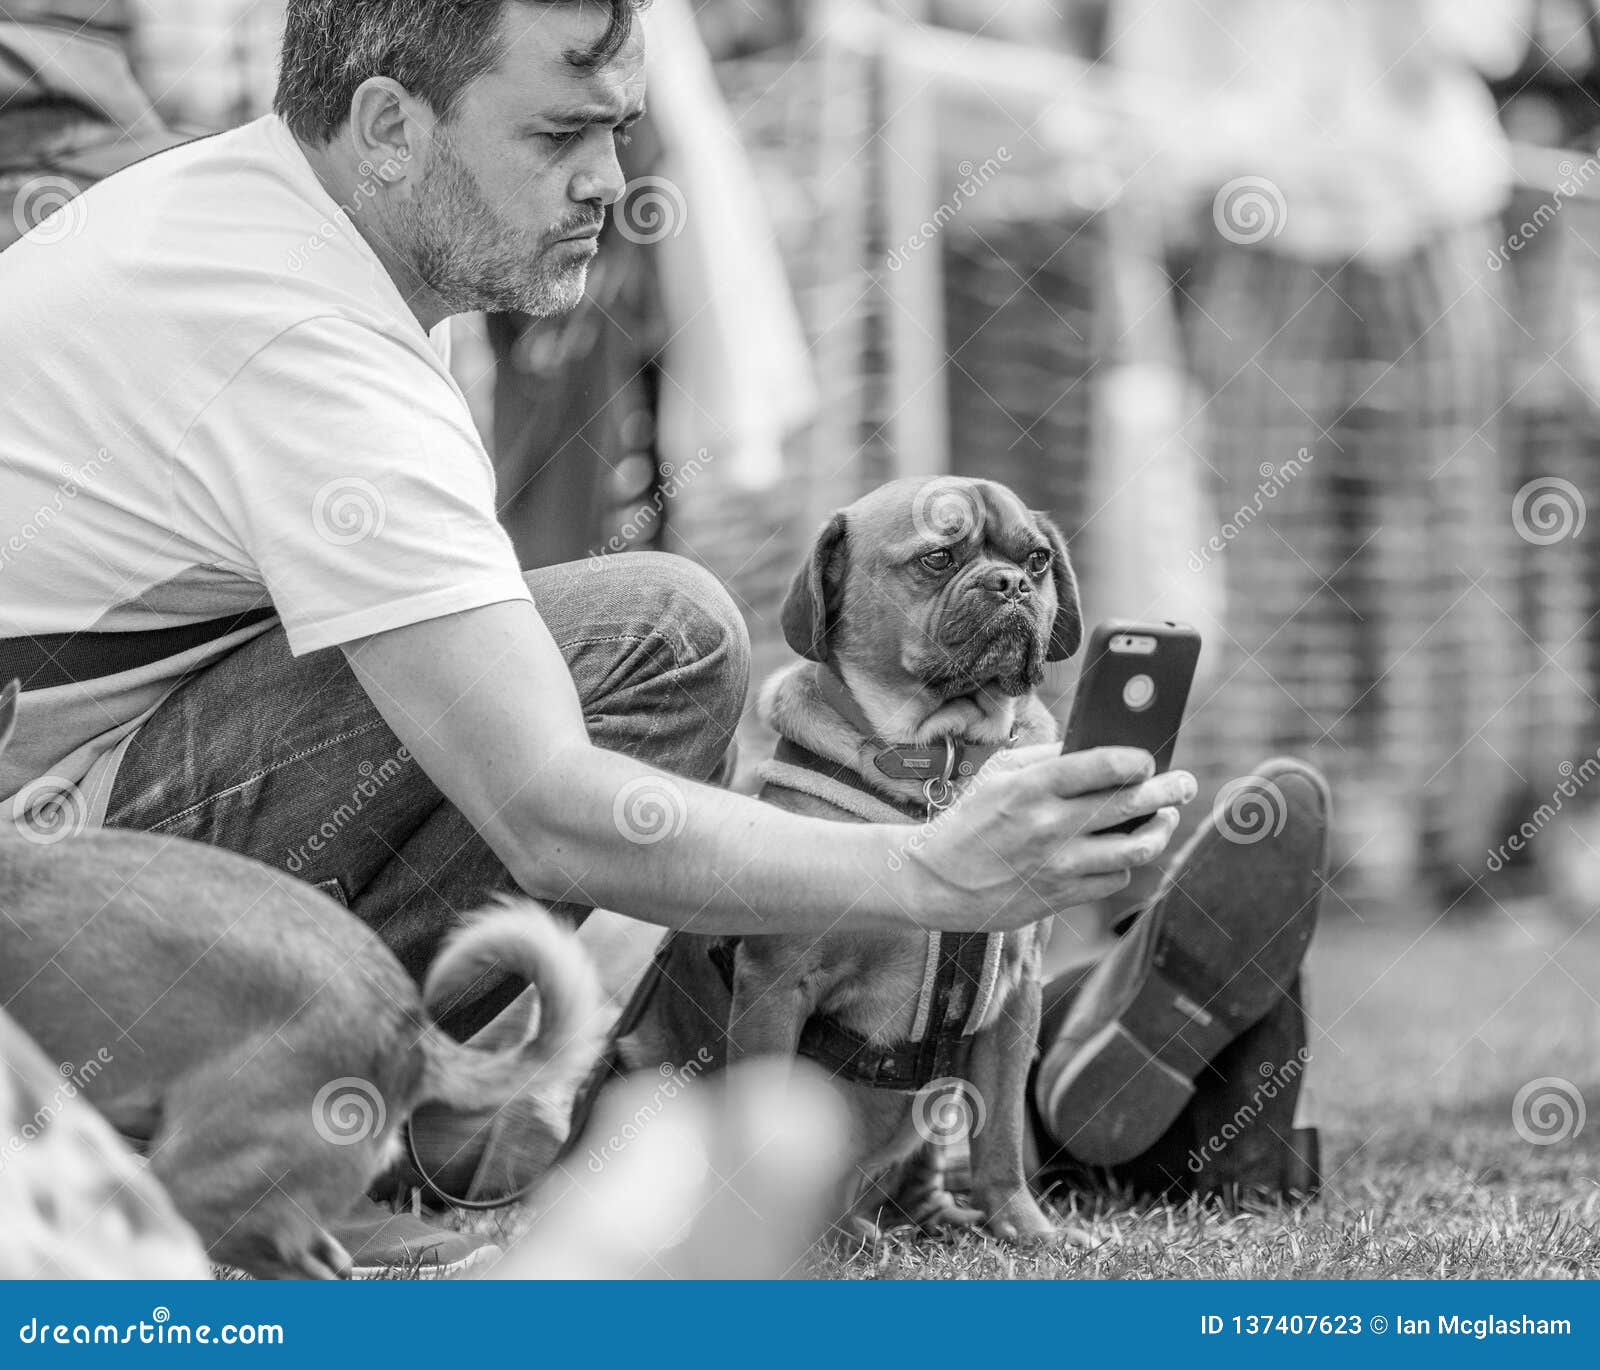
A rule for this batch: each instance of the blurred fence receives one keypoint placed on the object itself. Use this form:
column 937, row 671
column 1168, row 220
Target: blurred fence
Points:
column 1553, row 451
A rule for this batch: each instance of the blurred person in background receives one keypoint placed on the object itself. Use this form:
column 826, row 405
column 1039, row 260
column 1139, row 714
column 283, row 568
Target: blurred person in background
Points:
column 1330, row 175
column 1552, row 96
column 71, row 111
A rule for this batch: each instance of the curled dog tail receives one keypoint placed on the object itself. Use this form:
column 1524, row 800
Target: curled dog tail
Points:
column 520, row 937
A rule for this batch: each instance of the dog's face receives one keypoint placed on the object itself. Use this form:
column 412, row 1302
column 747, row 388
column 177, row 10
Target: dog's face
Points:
column 947, row 583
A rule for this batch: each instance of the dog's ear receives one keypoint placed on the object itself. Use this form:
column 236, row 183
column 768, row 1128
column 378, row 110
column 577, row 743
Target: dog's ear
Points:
column 8, row 712
column 807, row 614
column 1066, row 633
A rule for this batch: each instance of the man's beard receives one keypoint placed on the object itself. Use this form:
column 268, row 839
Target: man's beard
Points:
column 473, row 260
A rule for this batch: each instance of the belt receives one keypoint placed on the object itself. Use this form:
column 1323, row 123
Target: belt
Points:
column 56, row 659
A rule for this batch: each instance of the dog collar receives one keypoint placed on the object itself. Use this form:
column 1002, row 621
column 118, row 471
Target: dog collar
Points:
column 938, row 765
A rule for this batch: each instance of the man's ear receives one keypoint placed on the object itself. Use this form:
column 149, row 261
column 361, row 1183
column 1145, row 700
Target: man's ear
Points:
column 1066, row 633
column 8, row 713
column 388, row 128
column 807, row 613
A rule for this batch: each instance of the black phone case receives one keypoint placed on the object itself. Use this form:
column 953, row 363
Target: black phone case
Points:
column 1101, row 715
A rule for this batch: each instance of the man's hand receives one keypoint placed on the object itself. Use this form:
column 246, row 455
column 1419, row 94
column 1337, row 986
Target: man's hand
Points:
column 1025, row 841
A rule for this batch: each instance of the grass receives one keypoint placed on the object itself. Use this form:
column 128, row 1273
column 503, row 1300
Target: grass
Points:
column 1425, row 1034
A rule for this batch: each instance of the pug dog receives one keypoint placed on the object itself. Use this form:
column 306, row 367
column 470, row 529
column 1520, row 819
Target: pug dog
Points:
column 924, row 614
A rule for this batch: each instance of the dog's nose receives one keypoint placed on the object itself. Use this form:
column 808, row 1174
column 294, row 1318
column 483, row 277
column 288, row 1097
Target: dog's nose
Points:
column 1007, row 581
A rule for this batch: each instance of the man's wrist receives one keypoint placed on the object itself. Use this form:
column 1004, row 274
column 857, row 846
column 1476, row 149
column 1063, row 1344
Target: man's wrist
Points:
column 899, row 891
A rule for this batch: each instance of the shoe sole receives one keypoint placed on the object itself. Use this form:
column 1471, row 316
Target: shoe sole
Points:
column 468, row 1265
column 1126, row 1089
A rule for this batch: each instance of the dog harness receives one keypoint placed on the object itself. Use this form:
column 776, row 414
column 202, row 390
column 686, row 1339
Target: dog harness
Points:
column 961, row 968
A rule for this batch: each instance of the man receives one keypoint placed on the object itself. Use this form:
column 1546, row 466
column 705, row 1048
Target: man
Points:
column 231, row 446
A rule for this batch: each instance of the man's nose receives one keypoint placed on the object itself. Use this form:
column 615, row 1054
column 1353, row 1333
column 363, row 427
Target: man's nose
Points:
column 601, row 181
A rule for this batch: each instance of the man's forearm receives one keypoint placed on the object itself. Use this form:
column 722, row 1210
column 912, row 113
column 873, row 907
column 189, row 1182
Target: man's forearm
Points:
column 600, row 828
column 575, row 822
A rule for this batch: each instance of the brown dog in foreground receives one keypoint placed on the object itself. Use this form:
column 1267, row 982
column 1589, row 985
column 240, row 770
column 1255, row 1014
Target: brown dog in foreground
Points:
column 255, row 1038
column 926, row 611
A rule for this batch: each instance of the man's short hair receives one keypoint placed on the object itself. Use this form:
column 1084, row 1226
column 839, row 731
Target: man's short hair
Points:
column 434, row 48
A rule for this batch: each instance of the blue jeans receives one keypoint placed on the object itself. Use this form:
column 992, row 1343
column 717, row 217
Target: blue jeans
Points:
column 286, row 760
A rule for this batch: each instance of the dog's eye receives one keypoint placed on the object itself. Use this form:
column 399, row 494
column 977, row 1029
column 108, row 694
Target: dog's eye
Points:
column 1039, row 562
column 939, row 561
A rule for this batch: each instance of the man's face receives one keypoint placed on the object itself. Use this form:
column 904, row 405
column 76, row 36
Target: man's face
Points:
column 518, row 179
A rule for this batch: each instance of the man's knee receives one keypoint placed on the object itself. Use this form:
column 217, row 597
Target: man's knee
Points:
column 692, row 608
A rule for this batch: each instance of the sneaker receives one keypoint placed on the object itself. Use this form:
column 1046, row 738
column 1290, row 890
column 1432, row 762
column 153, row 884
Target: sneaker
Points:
column 1219, row 946
column 1247, row 1140
column 1244, row 1138
column 398, row 1246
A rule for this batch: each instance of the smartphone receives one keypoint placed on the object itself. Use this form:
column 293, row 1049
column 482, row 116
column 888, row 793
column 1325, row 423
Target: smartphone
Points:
column 1133, row 690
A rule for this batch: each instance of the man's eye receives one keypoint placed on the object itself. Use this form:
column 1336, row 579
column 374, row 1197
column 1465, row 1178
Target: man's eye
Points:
column 938, row 561
column 1039, row 562
column 563, row 138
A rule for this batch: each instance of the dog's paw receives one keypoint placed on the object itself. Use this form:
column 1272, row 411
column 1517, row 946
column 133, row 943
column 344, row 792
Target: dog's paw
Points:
column 941, row 1210
column 926, row 1204
column 856, row 1232
column 1018, row 1219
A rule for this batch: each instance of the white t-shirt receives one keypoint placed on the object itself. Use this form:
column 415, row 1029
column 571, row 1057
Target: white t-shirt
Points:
column 212, row 398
